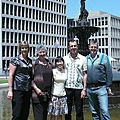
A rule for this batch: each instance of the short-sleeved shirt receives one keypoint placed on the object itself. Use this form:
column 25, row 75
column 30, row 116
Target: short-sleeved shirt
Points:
column 23, row 74
column 75, row 68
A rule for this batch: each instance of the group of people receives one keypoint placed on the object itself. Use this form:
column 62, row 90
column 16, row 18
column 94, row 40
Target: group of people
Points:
column 52, row 88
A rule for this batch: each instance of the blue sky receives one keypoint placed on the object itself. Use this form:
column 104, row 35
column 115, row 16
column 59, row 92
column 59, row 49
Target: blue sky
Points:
column 109, row 6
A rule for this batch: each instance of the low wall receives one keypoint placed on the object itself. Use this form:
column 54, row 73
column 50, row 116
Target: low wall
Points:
column 114, row 102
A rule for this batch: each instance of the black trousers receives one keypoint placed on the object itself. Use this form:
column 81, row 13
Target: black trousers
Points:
column 21, row 105
column 74, row 94
column 40, row 110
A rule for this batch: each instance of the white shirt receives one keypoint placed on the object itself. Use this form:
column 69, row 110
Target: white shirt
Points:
column 59, row 82
column 75, row 68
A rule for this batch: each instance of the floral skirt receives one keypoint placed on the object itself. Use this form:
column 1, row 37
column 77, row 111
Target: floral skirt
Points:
column 58, row 106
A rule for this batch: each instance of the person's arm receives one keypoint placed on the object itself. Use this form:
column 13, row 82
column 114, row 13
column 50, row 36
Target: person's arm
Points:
column 109, row 91
column 108, row 72
column 10, row 81
column 109, row 76
column 84, row 80
column 37, row 90
column 83, row 93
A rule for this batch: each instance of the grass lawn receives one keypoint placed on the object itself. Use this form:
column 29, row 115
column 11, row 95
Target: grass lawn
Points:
column 3, row 81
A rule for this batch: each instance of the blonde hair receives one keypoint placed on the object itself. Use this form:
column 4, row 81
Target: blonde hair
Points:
column 21, row 44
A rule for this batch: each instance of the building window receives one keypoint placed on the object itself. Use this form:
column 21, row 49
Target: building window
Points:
column 23, row 24
column 15, row 10
column 102, row 21
column 106, row 21
column 19, row 11
column 3, row 8
column 106, row 31
column 3, row 36
column 7, row 8
column 102, row 41
column 23, row 9
column 15, row 23
column 19, row 37
column 106, row 40
column 16, row 38
column 11, row 37
column 43, row 4
column 12, row 49
column 30, row 11
column 99, row 41
column 26, row 12
column 95, row 21
column 3, row 51
column 3, row 22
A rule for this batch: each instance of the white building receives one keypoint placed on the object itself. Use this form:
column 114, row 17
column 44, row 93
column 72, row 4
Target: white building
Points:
column 108, row 35
column 36, row 21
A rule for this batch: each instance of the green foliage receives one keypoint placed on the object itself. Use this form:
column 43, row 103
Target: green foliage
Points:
column 3, row 81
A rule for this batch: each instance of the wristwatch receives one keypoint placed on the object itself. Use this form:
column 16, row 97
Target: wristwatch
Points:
column 108, row 88
column 84, row 89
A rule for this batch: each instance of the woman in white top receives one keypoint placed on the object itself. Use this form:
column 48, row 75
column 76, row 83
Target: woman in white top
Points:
column 58, row 104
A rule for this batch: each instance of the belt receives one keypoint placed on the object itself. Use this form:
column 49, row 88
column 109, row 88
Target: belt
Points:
column 95, row 84
column 59, row 96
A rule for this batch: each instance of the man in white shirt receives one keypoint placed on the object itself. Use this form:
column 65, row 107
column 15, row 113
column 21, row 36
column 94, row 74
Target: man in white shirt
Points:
column 76, row 80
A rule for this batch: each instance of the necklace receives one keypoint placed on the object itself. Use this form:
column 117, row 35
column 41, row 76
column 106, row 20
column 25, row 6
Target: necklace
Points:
column 25, row 59
column 43, row 64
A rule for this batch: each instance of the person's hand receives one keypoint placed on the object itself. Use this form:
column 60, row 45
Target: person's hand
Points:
column 83, row 93
column 109, row 91
column 10, row 95
column 39, row 92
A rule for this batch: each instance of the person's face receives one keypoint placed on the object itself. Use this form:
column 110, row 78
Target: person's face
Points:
column 24, row 49
column 42, row 53
column 73, row 47
column 93, row 47
column 59, row 64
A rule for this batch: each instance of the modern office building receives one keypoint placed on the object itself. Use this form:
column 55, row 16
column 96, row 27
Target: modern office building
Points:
column 108, row 36
column 36, row 21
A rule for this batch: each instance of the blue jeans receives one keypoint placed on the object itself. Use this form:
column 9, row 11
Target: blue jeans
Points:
column 98, row 101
